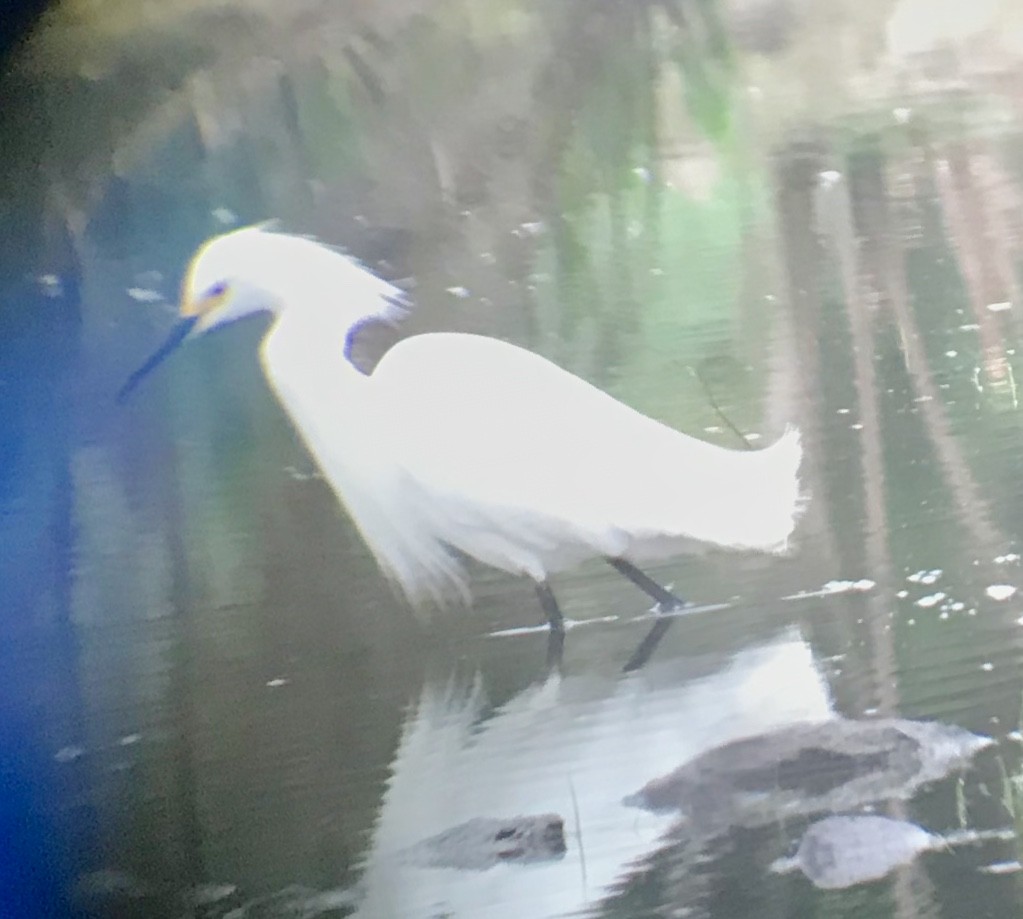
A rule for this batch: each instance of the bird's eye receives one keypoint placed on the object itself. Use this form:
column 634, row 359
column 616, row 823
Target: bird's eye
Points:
column 216, row 291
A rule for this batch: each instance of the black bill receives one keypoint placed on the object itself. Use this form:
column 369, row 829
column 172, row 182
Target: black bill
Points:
column 178, row 334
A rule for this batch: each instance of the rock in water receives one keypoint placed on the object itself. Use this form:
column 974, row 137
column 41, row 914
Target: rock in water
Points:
column 806, row 768
column 839, row 852
column 483, row 842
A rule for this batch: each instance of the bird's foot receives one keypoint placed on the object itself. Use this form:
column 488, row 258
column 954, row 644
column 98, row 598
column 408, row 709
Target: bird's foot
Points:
column 666, row 606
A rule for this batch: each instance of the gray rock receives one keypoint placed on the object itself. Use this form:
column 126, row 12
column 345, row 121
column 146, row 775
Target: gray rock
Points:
column 806, row 768
column 483, row 842
column 840, row 852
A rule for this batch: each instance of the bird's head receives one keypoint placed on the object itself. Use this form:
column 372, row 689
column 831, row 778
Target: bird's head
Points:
column 230, row 277
column 221, row 285
column 254, row 270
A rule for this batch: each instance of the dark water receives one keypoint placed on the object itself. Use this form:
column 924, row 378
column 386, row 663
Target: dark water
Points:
column 213, row 705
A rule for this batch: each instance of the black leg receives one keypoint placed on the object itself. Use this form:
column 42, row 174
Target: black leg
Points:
column 666, row 600
column 550, row 607
column 648, row 645
column 555, row 649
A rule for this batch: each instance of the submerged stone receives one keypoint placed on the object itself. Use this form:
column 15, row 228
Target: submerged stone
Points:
column 484, row 842
column 840, row 852
column 806, row 768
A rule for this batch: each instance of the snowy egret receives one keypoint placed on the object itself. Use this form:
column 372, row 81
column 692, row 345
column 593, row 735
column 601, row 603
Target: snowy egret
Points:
column 463, row 445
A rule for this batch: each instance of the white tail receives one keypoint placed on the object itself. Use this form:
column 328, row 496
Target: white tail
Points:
column 780, row 494
column 733, row 499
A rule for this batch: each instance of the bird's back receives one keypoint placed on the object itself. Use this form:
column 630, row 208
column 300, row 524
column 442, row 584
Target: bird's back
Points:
column 527, row 467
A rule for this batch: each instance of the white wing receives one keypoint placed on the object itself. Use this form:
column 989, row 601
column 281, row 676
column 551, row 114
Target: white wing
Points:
column 530, row 468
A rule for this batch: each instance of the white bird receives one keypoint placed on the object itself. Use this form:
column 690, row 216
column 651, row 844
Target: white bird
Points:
column 463, row 445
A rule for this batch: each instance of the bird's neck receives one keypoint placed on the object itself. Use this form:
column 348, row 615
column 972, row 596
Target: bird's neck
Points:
column 327, row 399
column 306, row 351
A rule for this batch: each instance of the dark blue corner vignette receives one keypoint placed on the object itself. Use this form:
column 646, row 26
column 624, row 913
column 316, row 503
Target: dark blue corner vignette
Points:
column 34, row 864
column 16, row 19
